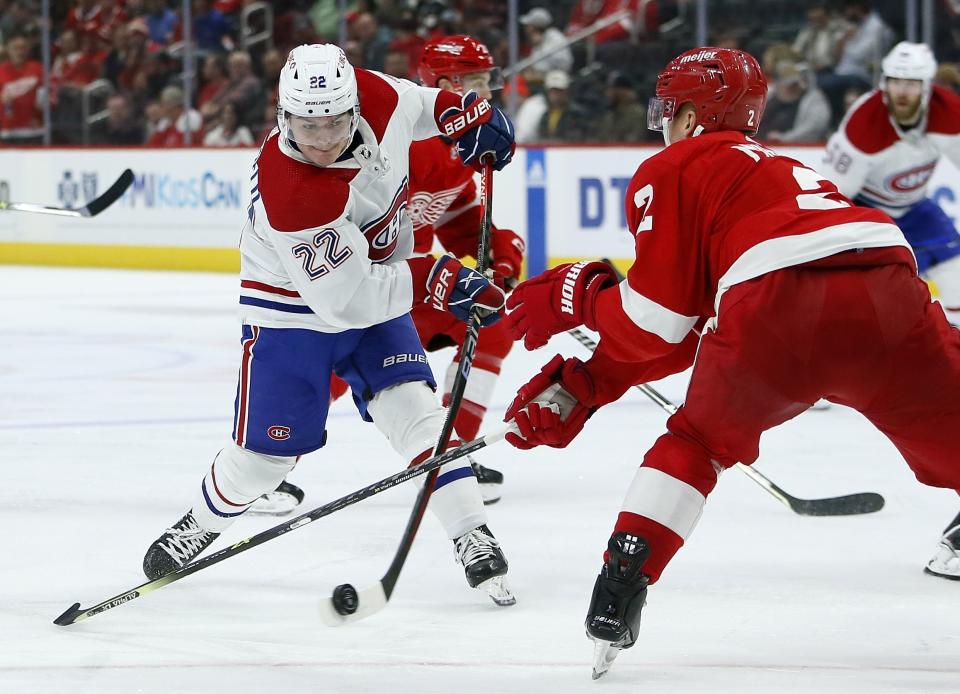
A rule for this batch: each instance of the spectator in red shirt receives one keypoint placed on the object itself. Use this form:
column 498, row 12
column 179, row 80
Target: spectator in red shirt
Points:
column 172, row 132
column 586, row 12
column 98, row 17
column 21, row 121
column 215, row 83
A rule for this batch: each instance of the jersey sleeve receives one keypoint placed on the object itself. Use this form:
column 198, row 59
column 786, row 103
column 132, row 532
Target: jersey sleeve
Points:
column 331, row 270
column 845, row 165
column 458, row 229
column 654, row 311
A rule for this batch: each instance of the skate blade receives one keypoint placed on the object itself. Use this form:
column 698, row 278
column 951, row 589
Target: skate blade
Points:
column 604, row 653
column 498, row 591
column 274, row 504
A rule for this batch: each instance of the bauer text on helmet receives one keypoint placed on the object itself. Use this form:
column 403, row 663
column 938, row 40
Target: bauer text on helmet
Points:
column 725, row 86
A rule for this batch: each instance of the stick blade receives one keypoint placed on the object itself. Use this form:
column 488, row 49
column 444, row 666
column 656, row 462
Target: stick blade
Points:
column 113, row 194
column 369, row 601
column 69, row 616
column 850, row 505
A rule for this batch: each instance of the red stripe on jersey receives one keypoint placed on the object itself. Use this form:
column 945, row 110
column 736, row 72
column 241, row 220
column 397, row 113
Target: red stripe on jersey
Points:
column 868, row 125
column 378, row 101
column 260, row 286
column 944, row 118
column 243, row 397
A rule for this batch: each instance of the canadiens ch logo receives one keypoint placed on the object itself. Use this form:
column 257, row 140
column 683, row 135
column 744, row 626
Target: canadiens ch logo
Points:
column 912, row 179
column 278, row 432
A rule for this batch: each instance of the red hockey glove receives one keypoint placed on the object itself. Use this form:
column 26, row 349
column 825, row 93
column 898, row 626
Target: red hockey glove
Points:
column 551, row 409
column 507, row 250
column 455, row 288
column 560, row 299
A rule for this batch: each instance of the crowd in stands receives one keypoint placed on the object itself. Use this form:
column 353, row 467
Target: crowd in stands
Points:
column 117, row 72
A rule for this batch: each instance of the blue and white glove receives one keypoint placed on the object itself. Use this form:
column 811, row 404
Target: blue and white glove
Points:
column 455, row 288
column 479, row 127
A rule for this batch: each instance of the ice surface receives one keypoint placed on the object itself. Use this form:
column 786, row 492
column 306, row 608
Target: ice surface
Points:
column 117, row 390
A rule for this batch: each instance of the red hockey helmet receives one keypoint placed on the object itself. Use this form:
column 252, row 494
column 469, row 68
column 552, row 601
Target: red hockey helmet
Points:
column 453, row 57
column 726, row 86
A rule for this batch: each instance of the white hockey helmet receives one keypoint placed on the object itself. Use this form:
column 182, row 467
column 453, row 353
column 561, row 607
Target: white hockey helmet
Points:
column 317, row 81
column 910, row 61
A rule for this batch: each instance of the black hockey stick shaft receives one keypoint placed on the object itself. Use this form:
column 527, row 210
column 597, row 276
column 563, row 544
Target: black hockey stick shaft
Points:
column 77, row 613
column 848, row 505
column 91, row 209
column 467, row 350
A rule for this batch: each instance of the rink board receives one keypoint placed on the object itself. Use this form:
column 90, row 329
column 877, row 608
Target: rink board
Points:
column 186, row 207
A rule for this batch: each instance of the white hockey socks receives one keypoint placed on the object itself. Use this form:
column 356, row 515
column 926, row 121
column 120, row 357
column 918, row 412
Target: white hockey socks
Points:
column 410, row 417
column 235, row 480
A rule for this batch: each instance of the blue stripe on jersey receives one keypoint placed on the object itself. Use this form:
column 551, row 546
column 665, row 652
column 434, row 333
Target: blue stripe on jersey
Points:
column 868, row 200
column 275, row 305
column 206, row 497
column 453, row 476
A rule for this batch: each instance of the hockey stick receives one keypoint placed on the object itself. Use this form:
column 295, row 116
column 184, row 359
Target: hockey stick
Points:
column 91, row 209
column 346, row 603
column 77, row 613
column 848, row 505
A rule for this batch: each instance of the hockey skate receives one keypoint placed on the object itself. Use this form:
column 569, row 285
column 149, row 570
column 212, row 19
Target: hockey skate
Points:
column 176, row 547
column 484, row 564
column 490, row 481
column 618, row 597
column 279, row 502
column 946, row 562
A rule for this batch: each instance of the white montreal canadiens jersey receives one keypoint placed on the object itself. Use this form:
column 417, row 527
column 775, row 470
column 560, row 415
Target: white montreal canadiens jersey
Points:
column 878, row 163
column 323, row 247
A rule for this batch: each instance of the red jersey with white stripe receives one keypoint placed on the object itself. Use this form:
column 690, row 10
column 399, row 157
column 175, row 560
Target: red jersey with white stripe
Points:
column 713, row 211
column 872, row 158
column 20, row 115
column 323, row 247
column 444, row 201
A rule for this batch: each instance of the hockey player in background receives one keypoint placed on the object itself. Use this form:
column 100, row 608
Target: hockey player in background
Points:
column 884, row 154
column 444, row 204
column 774, row 286
column 327, row 284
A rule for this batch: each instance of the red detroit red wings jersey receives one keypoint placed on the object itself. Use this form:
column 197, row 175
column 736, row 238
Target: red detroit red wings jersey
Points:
column 713, row 211
column 442, row 197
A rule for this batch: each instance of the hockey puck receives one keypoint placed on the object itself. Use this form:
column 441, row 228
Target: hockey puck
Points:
column 345, row 599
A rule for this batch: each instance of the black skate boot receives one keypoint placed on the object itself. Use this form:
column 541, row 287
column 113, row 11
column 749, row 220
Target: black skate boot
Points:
column 484, row 564
column 618, row 596
column 279, row 502
column 176, row 547
column 946, row 562
column 490, row 481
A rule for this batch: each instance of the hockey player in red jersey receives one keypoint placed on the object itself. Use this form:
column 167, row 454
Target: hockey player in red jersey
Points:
column 327, row 284
column 444, row 205
column 776, row 288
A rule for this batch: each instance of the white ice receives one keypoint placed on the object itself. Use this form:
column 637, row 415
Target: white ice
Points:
column 117, row 390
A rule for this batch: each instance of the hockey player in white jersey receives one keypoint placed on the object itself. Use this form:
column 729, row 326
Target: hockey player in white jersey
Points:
column 327, row 285
column 883, row 156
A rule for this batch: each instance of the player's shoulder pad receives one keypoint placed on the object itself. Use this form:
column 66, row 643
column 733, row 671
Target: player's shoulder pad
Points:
column 944, row 113
column 298, row 196
column 379, row 95
column 867, row 124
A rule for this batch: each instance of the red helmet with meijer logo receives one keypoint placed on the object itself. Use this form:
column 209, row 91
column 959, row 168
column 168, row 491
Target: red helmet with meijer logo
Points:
column 452, row 57
column 725, row 85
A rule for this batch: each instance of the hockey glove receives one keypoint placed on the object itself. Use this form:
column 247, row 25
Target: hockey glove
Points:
column 507, row 250
column 560, row 299
column 551, row 409
column 479, row 127
column 457, row 289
